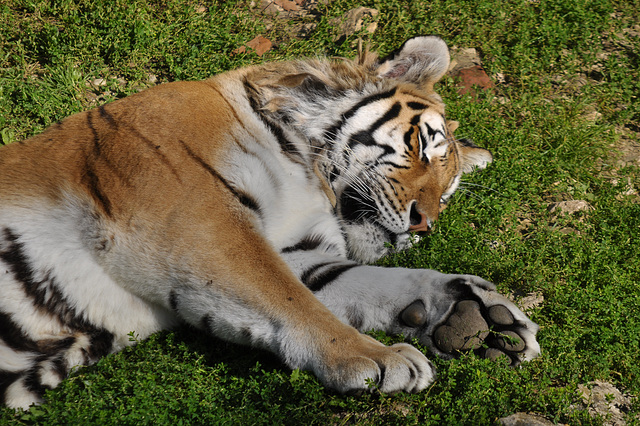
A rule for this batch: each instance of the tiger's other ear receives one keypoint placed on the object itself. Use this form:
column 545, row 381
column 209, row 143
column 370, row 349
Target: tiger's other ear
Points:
column 472, row 156
column 420, row 60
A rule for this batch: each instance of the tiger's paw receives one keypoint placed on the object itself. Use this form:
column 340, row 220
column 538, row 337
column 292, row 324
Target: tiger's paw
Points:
column 478, row 319
column 373, row 366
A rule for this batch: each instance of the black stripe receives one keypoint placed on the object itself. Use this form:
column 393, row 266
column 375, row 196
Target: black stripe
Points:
column 383, row 373
column 366, row 137
column 173, row 301
column 45, row 295
column 6, row 379
column 101, row 342
column 244, row 198
column 304, row 277
column 407, row 138
column 393, row 112
column 206, row 323
column 156, row 149
column 431, row 132
column 331, row 133
column 318, row 281
column 15, row 339
column 13, row 336
column 355, row 317
column 248, row 201
column 361, row 138
column 287, row 146
column 310, row 242
column 50, row 347
column 60, row 366
column 466, row 142
column 107, row 117
column 415, row 120
column 92, row 183
column 32, row 381
column 416, row 105
column 97, row 150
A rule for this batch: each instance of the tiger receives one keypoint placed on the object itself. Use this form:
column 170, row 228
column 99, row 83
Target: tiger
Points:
column 251, row 206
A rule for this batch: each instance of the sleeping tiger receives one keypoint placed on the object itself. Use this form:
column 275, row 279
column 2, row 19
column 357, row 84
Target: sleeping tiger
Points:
column 247, row 205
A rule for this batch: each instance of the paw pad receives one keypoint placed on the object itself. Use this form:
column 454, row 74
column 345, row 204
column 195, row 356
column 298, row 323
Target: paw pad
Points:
column 414, row 315
column 491, row 336
column 464, row 330
column 499, row 314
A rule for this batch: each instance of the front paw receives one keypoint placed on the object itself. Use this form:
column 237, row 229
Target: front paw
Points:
column 367, row 365
column 467, row 314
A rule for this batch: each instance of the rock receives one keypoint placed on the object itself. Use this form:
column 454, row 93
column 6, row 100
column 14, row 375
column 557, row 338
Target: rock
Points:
column 463, row 58
column 472, row 78
column 287, row 5
column 524, row 419
column 99, row 82
column 530, row 302
column 604, row 399
column 569, row 207
column 467, row 67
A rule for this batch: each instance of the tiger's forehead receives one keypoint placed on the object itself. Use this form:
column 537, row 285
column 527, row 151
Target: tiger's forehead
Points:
column 393, row 124
column 399, row 110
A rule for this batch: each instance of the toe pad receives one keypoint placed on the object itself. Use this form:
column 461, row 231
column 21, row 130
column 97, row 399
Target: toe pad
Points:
column 464, row 330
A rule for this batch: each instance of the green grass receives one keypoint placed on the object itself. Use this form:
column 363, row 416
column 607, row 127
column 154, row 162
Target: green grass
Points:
column 561, row 60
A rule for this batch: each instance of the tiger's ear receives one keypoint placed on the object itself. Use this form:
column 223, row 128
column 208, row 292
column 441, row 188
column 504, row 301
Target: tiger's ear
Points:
column 420, row 60
column 472, row 156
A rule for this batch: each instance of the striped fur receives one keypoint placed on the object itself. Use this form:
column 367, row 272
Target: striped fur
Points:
column 244, row 205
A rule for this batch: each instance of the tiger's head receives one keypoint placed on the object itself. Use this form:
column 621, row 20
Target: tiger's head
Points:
column 386, row 154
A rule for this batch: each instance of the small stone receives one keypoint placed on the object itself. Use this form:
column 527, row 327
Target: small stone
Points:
column 99, row 82
column 287, row 5
column 463, row 58
column 524, row 419
column 530, row 302
column 569, row 207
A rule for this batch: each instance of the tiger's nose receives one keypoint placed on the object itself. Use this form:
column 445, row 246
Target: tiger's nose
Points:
column 418, row 221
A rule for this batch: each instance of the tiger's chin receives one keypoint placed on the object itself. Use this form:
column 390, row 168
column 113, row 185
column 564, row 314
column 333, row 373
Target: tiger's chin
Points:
column 368, row 242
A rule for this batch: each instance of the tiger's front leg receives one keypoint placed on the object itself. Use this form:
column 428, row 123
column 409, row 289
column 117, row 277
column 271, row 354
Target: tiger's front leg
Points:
column 449, row 314
column 249, row 295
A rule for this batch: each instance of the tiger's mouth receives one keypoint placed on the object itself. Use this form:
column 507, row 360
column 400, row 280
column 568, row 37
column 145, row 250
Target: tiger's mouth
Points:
column 358, row 208
column 418, row 221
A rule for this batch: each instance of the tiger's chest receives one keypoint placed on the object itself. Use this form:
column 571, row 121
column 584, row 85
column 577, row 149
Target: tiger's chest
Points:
column 290, row 204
